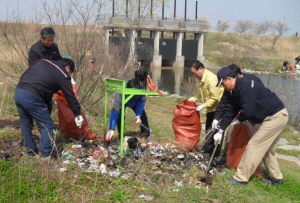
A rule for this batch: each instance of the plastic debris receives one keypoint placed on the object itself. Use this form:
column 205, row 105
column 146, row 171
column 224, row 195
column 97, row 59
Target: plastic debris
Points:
column 115, row 173
column 60, row 170
column 148, row 197
column 103, row 168
column 126, row 176
column 142, row 195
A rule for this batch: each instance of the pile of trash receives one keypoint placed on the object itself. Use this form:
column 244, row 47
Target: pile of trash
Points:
column 104, row 158
column 143, row 159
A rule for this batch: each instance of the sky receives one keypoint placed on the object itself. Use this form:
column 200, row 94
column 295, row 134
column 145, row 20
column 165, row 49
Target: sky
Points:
column 232, row 10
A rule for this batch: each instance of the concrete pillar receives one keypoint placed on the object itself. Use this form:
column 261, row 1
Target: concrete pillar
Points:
column 157, row 59
column 200, row 37
column 132, row 57
column 155, row 35
column 179, row 62
column 106, row 41
column 178, row 37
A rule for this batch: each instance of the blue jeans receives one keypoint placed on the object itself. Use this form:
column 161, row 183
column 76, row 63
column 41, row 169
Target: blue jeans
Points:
column 31, row 106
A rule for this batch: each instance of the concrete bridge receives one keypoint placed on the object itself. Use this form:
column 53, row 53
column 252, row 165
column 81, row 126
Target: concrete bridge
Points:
column 165, row 51
column 175, row 52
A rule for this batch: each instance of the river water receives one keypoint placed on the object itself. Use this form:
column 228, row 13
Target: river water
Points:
column 286, row 87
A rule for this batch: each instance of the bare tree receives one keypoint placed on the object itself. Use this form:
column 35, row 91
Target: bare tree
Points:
column 242, row 26
column 204, row 23
column 222, row 26
column 262, row 28
column 280, row 28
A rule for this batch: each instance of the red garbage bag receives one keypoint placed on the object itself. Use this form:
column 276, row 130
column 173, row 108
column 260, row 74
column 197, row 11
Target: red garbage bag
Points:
column 241, row 134
column 186, row 124
column 152, row 87
column 66, row 119
column 292, row 68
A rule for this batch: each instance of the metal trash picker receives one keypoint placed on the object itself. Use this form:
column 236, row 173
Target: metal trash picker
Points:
column 212, row 156
column 146, row 127
column 209, row 134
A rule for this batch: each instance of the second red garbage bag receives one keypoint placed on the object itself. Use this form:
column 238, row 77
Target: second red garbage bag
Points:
column 66, row 119
column 151, row 86
column 241, row 135
column 186, row 124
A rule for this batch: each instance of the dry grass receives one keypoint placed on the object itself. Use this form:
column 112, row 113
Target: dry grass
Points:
column 250, row 51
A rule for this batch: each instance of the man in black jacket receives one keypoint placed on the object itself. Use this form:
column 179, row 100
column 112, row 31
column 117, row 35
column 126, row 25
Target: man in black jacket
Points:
column 224, row 106
column 36, row 86
column 45, row 47
column 256, row 103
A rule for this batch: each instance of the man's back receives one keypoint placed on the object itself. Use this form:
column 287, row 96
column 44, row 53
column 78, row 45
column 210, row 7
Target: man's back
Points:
column 44, row 77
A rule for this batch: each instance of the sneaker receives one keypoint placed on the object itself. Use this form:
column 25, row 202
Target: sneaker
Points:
column 270, row 181
column 235, row 182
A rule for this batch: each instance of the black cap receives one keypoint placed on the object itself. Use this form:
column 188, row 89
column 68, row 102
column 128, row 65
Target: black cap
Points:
column 221, row 74
column 141, row 74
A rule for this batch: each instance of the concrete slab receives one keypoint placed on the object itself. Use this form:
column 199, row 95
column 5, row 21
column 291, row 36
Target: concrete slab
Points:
column 288, row 158
column 290, row 147
column 282, row 141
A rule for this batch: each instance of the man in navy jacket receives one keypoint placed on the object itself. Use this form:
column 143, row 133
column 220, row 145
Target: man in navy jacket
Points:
column 256, row 103
column 223, row 111
column 36, row 86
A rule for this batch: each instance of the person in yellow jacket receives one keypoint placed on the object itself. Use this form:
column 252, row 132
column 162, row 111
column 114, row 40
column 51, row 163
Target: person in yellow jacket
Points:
column 210, row 96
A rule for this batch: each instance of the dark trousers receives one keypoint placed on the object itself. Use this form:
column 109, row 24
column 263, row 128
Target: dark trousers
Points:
column 32, row 107
column 209, row 139
column 144, row 120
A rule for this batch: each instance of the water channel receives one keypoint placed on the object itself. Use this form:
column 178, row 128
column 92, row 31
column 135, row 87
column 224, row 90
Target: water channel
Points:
column 287, row 87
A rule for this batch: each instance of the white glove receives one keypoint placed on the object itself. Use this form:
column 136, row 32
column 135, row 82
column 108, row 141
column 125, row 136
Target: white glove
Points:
column 218, row 138
column 192, row 99
column 138, row 120
column 214, row 124
column 199, row 108
column 79, row 121
column 236, row 122
column 109, row 135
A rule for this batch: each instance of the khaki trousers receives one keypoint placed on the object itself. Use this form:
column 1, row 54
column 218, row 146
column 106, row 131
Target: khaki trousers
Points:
column 262, row 146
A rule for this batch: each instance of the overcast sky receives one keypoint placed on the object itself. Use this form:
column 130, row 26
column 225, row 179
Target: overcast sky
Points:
column 232, row 10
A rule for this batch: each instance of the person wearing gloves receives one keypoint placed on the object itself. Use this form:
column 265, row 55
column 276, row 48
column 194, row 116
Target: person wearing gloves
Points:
column 136, row 103
column 223, row 106
column 36, row 86
column 210, row 96
column 252, row 101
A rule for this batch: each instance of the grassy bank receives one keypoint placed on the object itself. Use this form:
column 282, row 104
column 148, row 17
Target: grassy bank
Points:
column 250, row 51
column 33, row 180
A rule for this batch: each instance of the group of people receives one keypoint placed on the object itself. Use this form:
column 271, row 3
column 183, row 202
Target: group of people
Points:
column 48, row 72
column 230, row 98
column 287, row 67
